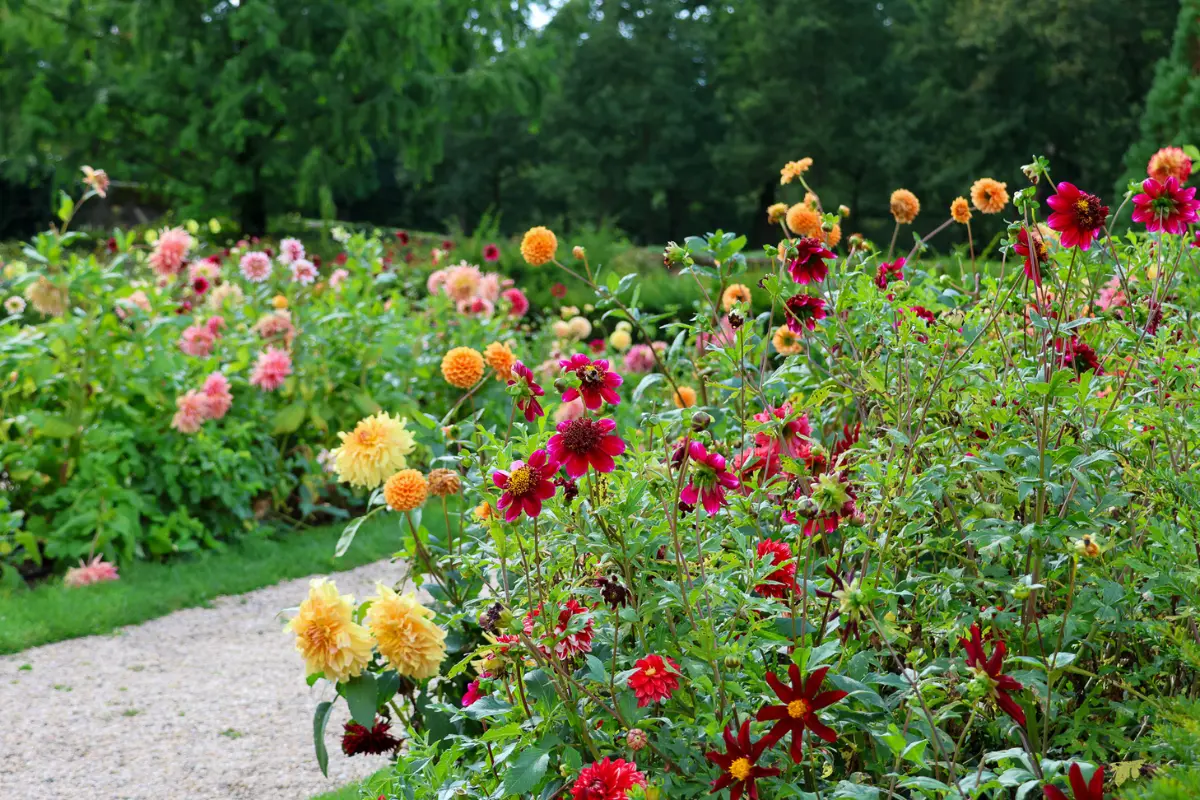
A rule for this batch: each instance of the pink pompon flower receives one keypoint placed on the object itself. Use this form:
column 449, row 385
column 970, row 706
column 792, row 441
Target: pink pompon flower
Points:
column 462, row 281
column 491, row 253
column 304, row 272
column 273, row 366
column 518, row 303
column 597, row 384
column 639, row 359
column 435, row 281
column 708, row 478
column 489, row 287
column 197, row 341
column 95, row 571
column 1165, row 205
column 220, row 399
column 528, row 392
column 804, row 311
column 585, row 442
column 338, row 276
column 255, row 266
column 607, row 779
column 170, row 251
column 192, row 410
column 809, row 264
column 889, row 272
column 290, row 250
column 525, row 485
column 472, row 695
column 1078, row 216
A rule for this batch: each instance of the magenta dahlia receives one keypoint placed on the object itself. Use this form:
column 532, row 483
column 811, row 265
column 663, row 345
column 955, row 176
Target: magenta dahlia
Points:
column 809, row 264
column 803, row 311
column 597, row 384
column 1078, row 216
column 585, row 442
column 525, row 485
column 527, row 392
column 708, row 478
column 1165, row 205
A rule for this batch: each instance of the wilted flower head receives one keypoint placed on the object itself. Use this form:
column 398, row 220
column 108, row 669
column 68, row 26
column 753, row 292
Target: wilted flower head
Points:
column 794, row 169
column 97, row 179
column 95, row 571
column 376, row 740
column 47, row 298
column 804, row 311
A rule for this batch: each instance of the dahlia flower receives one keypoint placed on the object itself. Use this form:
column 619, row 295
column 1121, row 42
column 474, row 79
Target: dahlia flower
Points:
column 472, row 695
column 517, row 302
column 585, row 442
column 290, row 250
column 886, row 273
column 639, row 359
column 374, row 741
column 406, row 490
column 607, row 779
column 991, row 671
column 96, row 179
column 569, row 637
column 804, row 311
column 1083, row 790
column 800, row 703
column 782, row 581
column 193, row 409
column 1165, row 206
column 739, row 763
column 405, row 633
column 794, row 169
column 197, row 341
column 220, row 399
column 1032, row 246
column 525, row 485
column 1078, row 216
column 14, row 305
column 47, row 297
column 527, row 392
column 1078, row 355
column 794, row 434
column 462, row 367
column 327, row 637
column 803, row 220
column 654, row 680
column 708, row 477
column 990, row 196
column 276, row 325
column 338, row 276
column 776, row 212
column 786, row 342
column 272, row 367
column 374, row 451
column 461, row 282
column 1112, row 296
column 904, row 206
column 304, row 272
column 500, row 358
column 597, row 385
column 95, row 571
column 735, row 293
column 170, row 251
column 255, row 266
column 538, row 246
column 1169, row 162
column 960, row 211
column 808, row 266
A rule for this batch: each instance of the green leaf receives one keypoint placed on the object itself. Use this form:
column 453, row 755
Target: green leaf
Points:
column 487, row 707
column 320, row 719
column 644, row 384
column 362, row 697
column 55, row 427
column 347, row 538
column 66, row 206
column 501, row 733
column 288, row 419
column 526, row 772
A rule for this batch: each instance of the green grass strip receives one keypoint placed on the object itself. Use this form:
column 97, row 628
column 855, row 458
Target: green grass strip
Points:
column 50, row 612
column 356, row 790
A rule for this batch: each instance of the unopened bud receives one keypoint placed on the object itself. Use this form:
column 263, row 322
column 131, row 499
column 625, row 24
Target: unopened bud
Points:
column 700, row 421
column 636, row 739
column 578, row 252
column 733, row 661
column 843, row 211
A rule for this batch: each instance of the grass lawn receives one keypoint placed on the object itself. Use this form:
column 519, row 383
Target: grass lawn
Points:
column 50, row 612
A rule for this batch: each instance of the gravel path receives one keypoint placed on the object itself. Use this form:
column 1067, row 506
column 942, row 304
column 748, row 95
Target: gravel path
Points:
column 203, row 703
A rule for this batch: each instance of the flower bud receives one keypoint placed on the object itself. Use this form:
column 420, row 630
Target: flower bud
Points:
column 733, row 661
column 578, row 252
column 635, row 739
column 700, row 421
column 843, row 211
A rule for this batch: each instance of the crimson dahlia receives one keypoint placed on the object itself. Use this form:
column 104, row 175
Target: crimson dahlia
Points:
column 372, row 741
column 809, row 264
column 570, row 638
column 803, row 311
column 782, row 581
column 1078, row 355
column 739, row 764
column 597, row 384
column 585, row 442
column 607, row 779
column 1032, row 246
column 528, row 391
column 1083, row 790
column 1165, row 205
column 800, row 702
column 991, row 671
column 525, row 485
column 1078, row 216
column 888, row 273
column 655, row 679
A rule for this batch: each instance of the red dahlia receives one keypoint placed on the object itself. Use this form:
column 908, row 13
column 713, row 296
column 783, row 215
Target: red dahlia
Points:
column 991, row 670
column 569, row 637
column 597, row 385
column 1035, row 255
column 1078, row 216
column 1083, row 790
column 525, row 485
column 794, row 435
column 887, row 273
column 1165, row 205
column 782, row 581
column 402, row 237
column 558, row 290
column 1078, row 355
column 739, row 763
column 372, row 741
column 801, row 702
column 607, row 779
column 809, row 264
column 803, row 311
column 708, row 477
column 654, row 680
column 585, row 442
column 527, row 392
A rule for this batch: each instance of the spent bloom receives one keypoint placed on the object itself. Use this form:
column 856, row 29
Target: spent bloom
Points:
column 708, row 477
column 800, row 703
column 525, row 485
column 95, row 571
column 607, row 779
column 583, row 442
column 271, row 369
column 170, row 251
column 255, row 266
column 597, row 384
column 373, row 451
column 989, row 195
column 1165, row 206
column 327, row 637
column 1078, row 216
column 361, row 740
column 96, row 179
column 654, row 679
column 776, row 212
column 406, row 634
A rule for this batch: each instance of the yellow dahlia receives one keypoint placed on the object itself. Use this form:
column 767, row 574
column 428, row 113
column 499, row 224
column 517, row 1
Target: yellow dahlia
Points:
column 539, row 246
column 327, row 636
column 406, row 636
column 685, row 397
column 803, row 220
column 786, row 342
column 794, row 169
column 443, row 482
column 621, row 340
column 989, row 196
column 905, row 206
column 960, row 211
column 735, row 293
column 373, row 451
column 776, row 212
column 405, row 490
column 501, row 359
column 462, row 367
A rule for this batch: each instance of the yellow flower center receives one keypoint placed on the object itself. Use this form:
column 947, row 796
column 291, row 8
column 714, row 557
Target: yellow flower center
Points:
column 521, row 481
column 368, row 437
column 320, row 639
column 740, row 769
column 797, row 709
column 650, row 672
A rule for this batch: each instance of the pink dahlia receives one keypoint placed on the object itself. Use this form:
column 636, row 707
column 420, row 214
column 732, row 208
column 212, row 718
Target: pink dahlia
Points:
column 273, row 366
column 585, row 442
column 1078, row 216
column 782, row 581
column 724, row 336
column 518, row 303
column 489, row 287
column 491, row 253
column 170, row 251
column 338, row 276
column 525, row 485
column 1111, row 296
column 809, row 264
column 220, row 399
column 597, row 385
column 479, row 306
column 95, row 571
column 290, row 251
column 794, row 434
column 304, row 272
column 197, row 340
column 214, row 324
column 192, row 410
column 571, row 637
column 888, row 273
column 708, row 478
column 639, row 359
column 803, row 311
column 208, row 268
column 1165, row 205
column 255, row 266
column 472, row 695
column 607, row 779
column 462, row 281
column 527, row 392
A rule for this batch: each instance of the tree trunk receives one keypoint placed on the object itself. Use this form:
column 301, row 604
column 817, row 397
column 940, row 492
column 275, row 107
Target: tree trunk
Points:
column 252, row 215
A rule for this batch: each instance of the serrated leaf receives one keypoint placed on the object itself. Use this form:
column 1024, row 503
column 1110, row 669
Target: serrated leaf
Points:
column 526, row 772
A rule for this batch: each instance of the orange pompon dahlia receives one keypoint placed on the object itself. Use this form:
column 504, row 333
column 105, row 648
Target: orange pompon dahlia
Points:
column 1169, row 162
column 794, row 169
column 444, row 482
column 786, row 342
column 735, row 293
column 990, row 196
column 804, row 220
column 960, row 211
column 539, row 246
column 406, row 490
column 501, row 359
column 462, row 367
column 684, row 397
column 776, row 212
column 831, row 237
column 905, row 206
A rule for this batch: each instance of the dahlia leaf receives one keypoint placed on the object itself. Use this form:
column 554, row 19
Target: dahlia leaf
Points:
column 526, row 772
column 347, row 537
column 320, row 719
column 645, row 383
column 362, row 696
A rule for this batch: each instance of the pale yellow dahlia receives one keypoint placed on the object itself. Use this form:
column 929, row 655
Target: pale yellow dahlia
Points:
column 327, row 636
column 776, row 212
column 374, row 451
column 406, row 635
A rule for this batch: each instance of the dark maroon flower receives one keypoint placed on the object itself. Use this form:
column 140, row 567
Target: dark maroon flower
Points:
column 597, row 384
column 800, row 703
column 923, row 313
column 525, row 485
column 1078, row 355
column 585, row 442
column 1165, row 205
column 991, row 670
column 341, row 259
column 200, row 284
column 491, row 253
column 184, row 307
column 528, row 391
column 374, row 741
column 1154, row 316
column 1035, row 256
column 809, row 264
column 803, row 311
column 447, row 244
column 1082, row 789
column 708, row 477
column 888, row 273
column 402, row 237
column 316, row 261
column 782, row 581
column 739, row 763
column 1078, row 216
column 111, row 244
column 570, row 489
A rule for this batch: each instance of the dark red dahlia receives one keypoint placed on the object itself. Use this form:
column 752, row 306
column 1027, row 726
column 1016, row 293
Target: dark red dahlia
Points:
column 654, row 680
column 402, row 237
column 1078, row 216
column 558, row 290
column 761, row 460
column 585, row 442
column 570, row 489
column 800, row 703
column 809, row 264
column 782, row 581
column 607, row 779
column 111, row 244
column 491, row 253
column 739, row 763
column 526, row 485
column 527, row 391
column 597, row 384
column 708, row 477
column 1165, row 205
column 374, row 741
column 991, row 670
column 200, row 284
column 889, row 273
column 1078, row 355
column 803, row 311
column 923, row 313
column 447, row 244
column 613, row 592
column 341, row 259
column 1083, row 790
